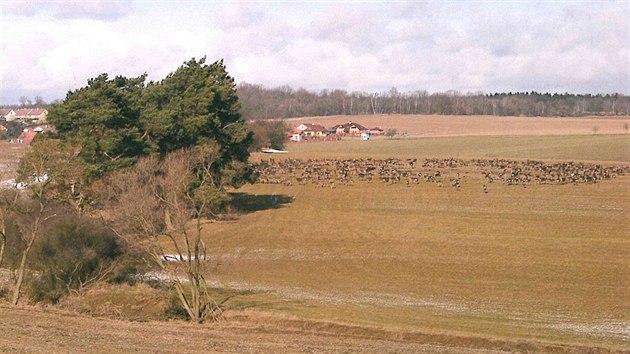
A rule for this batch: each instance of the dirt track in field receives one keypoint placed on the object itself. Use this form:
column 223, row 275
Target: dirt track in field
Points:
column 436, row 125
column 37, row 330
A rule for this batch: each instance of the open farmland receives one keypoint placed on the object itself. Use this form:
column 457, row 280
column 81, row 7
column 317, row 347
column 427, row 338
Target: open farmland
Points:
column 9, row 157
column 611, row 148
column 438, row 125
column 541, row 262
column 388, row 267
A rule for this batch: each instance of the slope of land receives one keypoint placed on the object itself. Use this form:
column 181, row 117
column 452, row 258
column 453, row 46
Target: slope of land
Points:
column 437, row 125
column 383, row 267
column 541, row 262
column 37, row 330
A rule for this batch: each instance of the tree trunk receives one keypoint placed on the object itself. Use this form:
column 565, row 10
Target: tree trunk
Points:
column 4, row 241
column 21, row 271
column 167, row 220
column 3, row 235
column 18, row 284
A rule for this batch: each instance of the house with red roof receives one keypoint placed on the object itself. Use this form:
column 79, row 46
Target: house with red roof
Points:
column 26, row 137
column 376, row 131
column 349, row 128
column 311, row 131
column 29, row 133
column 7, row 113
column 28, row 114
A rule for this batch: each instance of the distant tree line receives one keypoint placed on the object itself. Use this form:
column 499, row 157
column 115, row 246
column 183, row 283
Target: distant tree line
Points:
column 27, row 102
column 259, row 102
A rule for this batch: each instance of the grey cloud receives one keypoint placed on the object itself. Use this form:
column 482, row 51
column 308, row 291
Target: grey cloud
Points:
column 358, row 27
column 94, row 9
column 20, row 8
column 434, row 46
column 68, row 9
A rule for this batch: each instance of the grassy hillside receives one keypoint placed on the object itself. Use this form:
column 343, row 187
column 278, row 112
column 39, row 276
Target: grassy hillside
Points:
column 546, row 262
column 541, row 264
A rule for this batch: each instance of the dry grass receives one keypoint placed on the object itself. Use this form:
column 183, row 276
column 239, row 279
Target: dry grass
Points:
column 435, row 125
column 137, row 303
column 610, row 148
column 413, row 269
column 9, row 156
column 543, row 262
column 41, row 330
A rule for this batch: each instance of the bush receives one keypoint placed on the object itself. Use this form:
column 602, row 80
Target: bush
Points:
column 139, row 302
column 71, row 255
column 14, row 129
column 268, row 134
column 13, row 242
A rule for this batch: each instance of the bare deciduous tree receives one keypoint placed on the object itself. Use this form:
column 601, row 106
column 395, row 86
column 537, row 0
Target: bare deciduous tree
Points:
column 159, row 206
column 45, row 172
column 7, row 201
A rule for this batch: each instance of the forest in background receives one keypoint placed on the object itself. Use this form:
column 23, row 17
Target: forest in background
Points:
column 259, row 102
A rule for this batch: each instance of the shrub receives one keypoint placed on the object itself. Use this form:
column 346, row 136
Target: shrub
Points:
column 268, row 134
column 71, row 255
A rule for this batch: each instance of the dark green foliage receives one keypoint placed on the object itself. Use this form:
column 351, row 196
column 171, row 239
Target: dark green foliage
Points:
column 102, row 119
column 72, row 254
column 129, row 265
column 197, row 105
column 194, row 104
column 14, row 128
column 114, row 122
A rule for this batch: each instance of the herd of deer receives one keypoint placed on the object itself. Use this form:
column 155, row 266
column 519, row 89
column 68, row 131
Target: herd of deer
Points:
column 334, row 172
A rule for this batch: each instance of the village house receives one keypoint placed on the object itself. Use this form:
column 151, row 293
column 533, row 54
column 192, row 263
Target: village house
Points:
column 312, row 130
column 29, row 133
column 376, row 131
column 353, row 129
column 295, row 135
column 25, row 137
column 7, row 114
column 26, row 115
column 308, row 131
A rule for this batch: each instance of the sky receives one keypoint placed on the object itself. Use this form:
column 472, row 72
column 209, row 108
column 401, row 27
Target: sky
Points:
column 51, row 47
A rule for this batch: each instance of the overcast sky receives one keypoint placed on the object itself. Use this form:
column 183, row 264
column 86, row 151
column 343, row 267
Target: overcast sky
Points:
column 49, row 47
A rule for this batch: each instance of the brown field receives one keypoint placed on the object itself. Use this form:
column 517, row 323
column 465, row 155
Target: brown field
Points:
column 42, row 330
column 373, row 267
column 542, row 263
column 9, row 155
column 435, row 125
